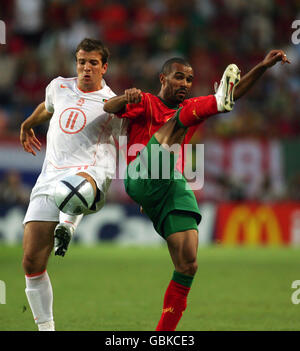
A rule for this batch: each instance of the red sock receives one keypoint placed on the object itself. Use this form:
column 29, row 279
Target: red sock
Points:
column 175, row 301
column 197, row 110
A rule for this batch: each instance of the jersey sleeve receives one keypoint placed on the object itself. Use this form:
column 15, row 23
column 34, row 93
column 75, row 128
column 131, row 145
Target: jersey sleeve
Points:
column 133, row 111
column 49, row 98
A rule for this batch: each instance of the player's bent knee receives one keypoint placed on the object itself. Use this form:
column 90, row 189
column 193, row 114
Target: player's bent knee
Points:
column 192, row 268
column 188, row 268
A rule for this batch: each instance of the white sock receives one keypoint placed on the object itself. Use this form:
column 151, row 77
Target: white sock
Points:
column 73, row 220
column 47, row 326
column 40, row 297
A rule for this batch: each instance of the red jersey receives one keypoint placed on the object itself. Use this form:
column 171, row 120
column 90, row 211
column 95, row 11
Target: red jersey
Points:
column 147, row 116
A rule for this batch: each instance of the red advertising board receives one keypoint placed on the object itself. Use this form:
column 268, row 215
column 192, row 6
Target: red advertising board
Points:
column 258, row 223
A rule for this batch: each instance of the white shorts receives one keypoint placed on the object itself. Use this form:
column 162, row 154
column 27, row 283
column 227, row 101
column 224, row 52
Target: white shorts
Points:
column 42, row 206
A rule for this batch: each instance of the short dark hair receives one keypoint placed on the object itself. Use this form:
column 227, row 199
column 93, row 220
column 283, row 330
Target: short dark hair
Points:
column 167, row 66
column 88, row 45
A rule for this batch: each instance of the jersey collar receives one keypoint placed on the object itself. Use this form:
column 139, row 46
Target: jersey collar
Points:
column 172, row 106
column 103, row 84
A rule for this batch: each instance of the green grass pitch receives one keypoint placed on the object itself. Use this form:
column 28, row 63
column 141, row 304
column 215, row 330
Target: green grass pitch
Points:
column 113, row 288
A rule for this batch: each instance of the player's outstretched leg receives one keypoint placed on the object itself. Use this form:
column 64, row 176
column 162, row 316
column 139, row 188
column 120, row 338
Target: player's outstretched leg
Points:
column 200, row 108
column 203, row 107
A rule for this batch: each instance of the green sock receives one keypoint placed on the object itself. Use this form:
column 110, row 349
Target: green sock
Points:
column 183, row 279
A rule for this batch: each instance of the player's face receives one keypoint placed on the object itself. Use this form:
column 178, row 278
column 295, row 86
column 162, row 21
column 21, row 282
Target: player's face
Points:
column 90, row 70
column 177, row 84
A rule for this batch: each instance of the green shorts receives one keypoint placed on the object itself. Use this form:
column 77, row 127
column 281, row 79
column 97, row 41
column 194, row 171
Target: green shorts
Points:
column 165, row 194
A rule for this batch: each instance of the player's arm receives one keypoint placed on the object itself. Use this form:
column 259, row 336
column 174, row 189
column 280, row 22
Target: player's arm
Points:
column 27, row 137
column 249, row 79
column 118, row 103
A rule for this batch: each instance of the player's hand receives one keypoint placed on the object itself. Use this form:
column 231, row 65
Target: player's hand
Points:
column 29, row 141
column 275, row 56
column 133, row 96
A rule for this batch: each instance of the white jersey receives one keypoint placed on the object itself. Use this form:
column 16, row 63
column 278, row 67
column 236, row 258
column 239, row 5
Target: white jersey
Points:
column 80, row 137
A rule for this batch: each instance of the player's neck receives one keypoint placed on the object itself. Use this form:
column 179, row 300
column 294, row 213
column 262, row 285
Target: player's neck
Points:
column 88, row 88
column 168, row 102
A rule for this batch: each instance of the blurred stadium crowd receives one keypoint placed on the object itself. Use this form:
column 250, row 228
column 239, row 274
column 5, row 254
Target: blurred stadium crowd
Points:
column 141, row 34
column 41, row 37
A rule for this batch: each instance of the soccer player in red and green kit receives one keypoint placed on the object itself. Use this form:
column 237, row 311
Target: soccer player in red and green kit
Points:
column 165, row 120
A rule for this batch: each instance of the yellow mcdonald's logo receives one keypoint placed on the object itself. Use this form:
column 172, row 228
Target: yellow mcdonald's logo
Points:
column 251, row 224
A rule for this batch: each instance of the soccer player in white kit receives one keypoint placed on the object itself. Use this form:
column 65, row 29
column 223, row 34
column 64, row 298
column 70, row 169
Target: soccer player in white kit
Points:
column 79, row 142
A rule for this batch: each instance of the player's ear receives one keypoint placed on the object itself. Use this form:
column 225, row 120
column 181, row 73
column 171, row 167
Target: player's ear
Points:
column 104, row 68
column 162, row 78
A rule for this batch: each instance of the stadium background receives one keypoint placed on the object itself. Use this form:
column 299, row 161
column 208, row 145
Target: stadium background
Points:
column 252, row 168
